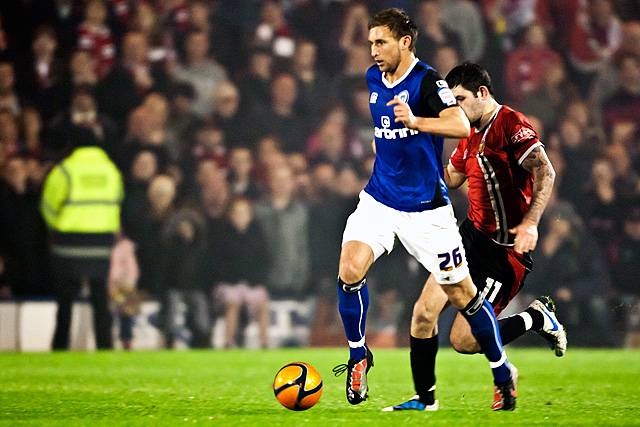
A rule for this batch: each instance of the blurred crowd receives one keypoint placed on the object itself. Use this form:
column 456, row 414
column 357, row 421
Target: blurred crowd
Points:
column 243, row 131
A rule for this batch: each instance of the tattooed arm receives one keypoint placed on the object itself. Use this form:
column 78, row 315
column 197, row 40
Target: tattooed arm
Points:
column 539, row 165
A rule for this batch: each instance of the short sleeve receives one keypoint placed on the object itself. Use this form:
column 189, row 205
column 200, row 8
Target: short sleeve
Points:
column 435, row 94
column 457, row 159
column 523, row 138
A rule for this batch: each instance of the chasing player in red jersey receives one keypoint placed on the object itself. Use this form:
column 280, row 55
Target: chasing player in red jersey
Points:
column 510, row 179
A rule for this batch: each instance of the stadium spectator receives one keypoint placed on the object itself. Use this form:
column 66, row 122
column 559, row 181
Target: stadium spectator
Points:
column 445, row 58
column 235, row 118
column 81, row 205
column 134, row 76
column 182, row 122
column 465, row 18
column 145, row 132
column 355, row 29
column 210, row 143
column 553, row 94
column 201, row 71
column 622, row 108
column 146, row 20
column 595, row 36
column 313, row 82
column 81, row 72
column 9, row 98
column 581, row 149
column 432, row 32
column 23, row 244
column 31, row 132
column 360, row 121
column 143, row 168
column 9, row 134
column 627, row 176
column 600, row 206
column 176, row 15
column 284, row 222
column 626, row 266
column 94, row 37
column 241, row 179
column 300, row 167
column 273, row 31
column 205, row 16
column 147, row 228
column 42, row 77
column 256, row 84
column 328, row 210
column 509, row 17
column 182, row 277
column 283, row 119
column 606, row 82
column 356, row 63
column 123, row 280
column 330, row 142
column 571, row 267
column 82, row 111
column 526, row 65
column 242, row 261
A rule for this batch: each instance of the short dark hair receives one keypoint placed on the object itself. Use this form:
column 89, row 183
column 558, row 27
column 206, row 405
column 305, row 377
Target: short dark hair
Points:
column 470, row 76
column 398, row 21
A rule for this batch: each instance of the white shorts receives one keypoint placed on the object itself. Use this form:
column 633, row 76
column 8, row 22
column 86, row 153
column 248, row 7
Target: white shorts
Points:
column 431, row 236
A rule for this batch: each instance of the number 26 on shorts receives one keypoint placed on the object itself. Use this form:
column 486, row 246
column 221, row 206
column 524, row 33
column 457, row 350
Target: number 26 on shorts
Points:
column 447, row 258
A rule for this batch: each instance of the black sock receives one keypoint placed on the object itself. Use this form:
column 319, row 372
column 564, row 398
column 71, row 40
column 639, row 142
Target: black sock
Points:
column 423, row 367
column 517, row 325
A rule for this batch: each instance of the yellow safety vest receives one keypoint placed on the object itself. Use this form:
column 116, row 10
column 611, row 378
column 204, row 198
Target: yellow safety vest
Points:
column 83, row 194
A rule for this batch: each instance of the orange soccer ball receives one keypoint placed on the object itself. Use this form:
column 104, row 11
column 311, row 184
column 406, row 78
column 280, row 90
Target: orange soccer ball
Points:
column 297, row 386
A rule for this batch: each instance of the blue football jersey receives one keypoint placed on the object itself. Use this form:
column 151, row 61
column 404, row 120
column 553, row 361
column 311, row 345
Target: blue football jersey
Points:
column 408, row 174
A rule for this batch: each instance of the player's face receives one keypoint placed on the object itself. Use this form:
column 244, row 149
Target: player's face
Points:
column 471, row 104
column 385, row 49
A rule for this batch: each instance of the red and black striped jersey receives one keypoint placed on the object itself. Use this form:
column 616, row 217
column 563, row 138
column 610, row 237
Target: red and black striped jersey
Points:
column 500, row 189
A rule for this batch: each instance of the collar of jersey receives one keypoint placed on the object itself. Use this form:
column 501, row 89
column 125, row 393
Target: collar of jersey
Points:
column 491, row 120
column 404, row 76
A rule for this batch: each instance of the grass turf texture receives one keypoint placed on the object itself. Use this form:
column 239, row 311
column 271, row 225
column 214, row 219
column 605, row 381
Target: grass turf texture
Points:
column 587, row 387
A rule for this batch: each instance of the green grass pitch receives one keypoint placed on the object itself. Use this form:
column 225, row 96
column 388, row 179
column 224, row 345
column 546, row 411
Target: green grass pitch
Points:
column 587, row 387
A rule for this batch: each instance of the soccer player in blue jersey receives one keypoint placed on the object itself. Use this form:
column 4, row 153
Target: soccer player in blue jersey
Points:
column 406, row 198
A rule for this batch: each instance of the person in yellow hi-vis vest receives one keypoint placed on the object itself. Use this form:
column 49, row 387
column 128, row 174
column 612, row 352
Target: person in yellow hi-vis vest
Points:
column 81, row 202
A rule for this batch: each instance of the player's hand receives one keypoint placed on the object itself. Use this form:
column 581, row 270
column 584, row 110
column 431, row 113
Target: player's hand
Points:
column 403, row 113
column 526, row 237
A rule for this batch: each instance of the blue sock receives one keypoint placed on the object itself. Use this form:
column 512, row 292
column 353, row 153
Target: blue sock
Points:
column 484, row 327
column 352, row 305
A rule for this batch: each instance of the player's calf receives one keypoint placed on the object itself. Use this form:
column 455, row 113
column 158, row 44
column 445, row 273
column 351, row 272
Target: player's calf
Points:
column 462, row 340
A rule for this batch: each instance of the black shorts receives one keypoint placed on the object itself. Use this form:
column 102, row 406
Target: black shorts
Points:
column 497, row 271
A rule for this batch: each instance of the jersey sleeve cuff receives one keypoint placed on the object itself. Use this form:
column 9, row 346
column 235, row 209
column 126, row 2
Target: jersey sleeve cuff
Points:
column 529, row 150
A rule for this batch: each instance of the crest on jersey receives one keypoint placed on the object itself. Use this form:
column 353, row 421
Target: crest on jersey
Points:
column 373, row 98
column 404, row 96
column 523, row 134
column 386, row 122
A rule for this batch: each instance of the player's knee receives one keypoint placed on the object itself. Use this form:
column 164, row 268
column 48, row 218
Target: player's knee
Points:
column 423, row 317
column 351, row 273
column 460, row 294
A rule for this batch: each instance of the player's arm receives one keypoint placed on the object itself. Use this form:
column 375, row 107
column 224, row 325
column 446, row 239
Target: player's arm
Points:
column 440, row 113
column 453, row 177
column 538, row 164
column 450, row 123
